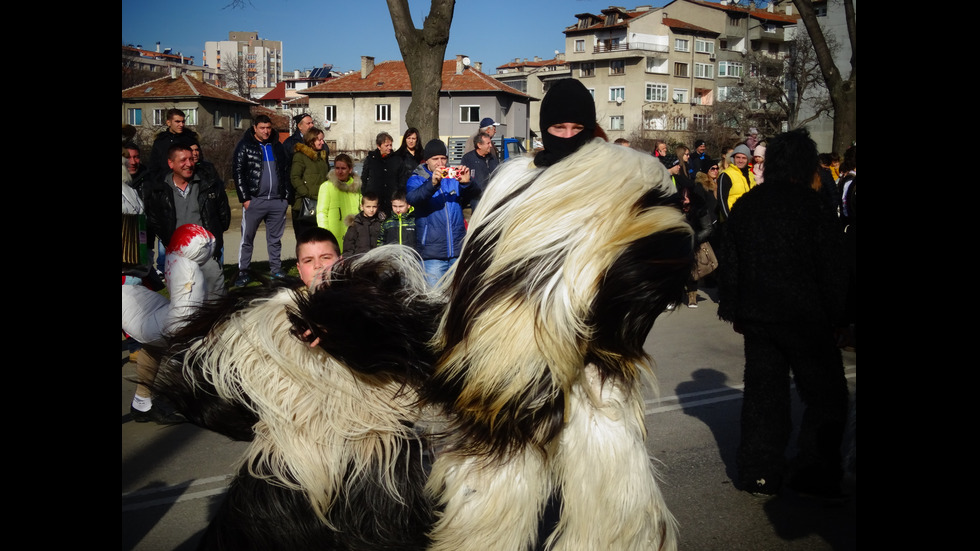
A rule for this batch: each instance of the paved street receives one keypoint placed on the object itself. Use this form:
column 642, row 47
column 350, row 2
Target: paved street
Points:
column 174, row 477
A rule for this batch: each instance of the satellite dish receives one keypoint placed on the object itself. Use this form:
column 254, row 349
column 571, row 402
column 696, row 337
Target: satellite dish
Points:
column 466, row 62
column 326, row 124
column 619, row 101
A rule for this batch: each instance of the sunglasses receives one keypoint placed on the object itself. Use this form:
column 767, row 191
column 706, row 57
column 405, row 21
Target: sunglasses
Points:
column 713, row 168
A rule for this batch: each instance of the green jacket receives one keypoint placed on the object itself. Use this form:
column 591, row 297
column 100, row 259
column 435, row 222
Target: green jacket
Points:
column 309, row 170
column 337, row 205
column 398, row 230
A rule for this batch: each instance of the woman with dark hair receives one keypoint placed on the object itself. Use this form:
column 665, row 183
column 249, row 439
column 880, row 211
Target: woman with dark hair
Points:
column 410, row 152
column 308, row 171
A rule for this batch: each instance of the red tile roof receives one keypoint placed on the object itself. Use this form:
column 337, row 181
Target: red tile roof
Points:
column 277, row 93
column 752, row 11
column 392, row 76
column 184, row 86
column 526, row 63
column 683, row 25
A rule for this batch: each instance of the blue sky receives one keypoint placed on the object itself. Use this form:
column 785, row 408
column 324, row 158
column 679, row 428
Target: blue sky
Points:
column 314, row 32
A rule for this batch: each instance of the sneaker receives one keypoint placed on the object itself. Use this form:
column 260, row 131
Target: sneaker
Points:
column 278, row 275
column 242, row 279
column 158, row 414
column 692, row 300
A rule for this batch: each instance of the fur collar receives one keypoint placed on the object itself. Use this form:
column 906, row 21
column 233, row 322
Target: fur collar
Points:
column 313, row 154
column 352, row 185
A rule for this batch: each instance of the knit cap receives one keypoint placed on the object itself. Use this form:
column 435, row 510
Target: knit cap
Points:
column 433, row 148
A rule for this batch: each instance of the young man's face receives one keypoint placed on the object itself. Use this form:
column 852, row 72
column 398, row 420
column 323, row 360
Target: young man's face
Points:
column 196, row 153
column 176, row 124
column 436, row 161
column 133, row 163
column 565, row 129
column 399, row 206
column 701, row 149
column 263, row 130
column 369, row 207
column 740, row 160
column 313, row 257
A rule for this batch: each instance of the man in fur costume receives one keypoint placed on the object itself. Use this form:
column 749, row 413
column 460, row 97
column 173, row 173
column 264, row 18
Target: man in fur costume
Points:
column 782, row 283
column 564, row 269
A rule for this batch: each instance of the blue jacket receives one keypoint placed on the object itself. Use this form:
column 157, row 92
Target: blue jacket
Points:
column 439, row 228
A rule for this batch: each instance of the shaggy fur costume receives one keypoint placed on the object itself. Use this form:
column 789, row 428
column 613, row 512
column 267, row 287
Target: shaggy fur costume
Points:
column 562, row 274
column 334, row 460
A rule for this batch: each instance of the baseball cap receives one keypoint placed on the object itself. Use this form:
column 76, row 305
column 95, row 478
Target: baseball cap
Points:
column 488, row 122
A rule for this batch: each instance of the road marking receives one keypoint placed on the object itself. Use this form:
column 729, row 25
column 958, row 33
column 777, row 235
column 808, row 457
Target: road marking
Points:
column 140, row 499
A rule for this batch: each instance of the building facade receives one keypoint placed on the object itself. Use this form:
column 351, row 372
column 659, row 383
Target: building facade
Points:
column 261, row 58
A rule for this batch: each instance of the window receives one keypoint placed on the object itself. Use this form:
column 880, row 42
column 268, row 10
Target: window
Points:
column 820, row 10
column 159, row 117
column 616, row 123
column 656, row 92
column 617, row 67
column 238, row 120
column 680, row 95
column 190, row 117
column 774, row 48
column 704, row 70
column 703, row 46
column 703, row 96
column 469, row 113
column 654, row 121
column 330, row 113
column 682, row 45
column 587, row 69
column 725, row 93
column 680, row 69
column 580, row 45
column 729, row 69
column 723, row 44
column 679, row 123
column 617, row 93
column 217, row 119
column 382, row 112
column 768, row 28
column 134, row 116
column 701, row 122
column 657, row 65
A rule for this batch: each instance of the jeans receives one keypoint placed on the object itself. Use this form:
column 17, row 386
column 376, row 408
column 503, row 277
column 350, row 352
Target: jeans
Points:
column 434, row 269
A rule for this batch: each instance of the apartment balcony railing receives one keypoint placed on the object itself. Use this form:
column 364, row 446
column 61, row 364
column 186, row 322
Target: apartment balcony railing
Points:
column 624, row 46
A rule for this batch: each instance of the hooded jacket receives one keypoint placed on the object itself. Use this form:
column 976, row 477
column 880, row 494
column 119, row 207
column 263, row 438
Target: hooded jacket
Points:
column 337, row 205
column 439, row 227
column 248, row 164
column 309, row 171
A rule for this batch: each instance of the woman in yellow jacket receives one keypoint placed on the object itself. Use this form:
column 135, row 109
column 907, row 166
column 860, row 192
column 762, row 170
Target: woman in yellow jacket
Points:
column 339, row 199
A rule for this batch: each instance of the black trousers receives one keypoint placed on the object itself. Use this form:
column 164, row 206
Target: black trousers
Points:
column 810, row 354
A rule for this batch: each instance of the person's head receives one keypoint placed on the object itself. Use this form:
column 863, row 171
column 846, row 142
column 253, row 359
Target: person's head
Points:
column 410, row 140
column 303, row 123
column 740, row 156
column 132, row 157
column 672, row 163
column 399, row 202
column 369, row 204
column 262, row 127
column 175, row 120
column 316, row 249
column 567, row 119
column 313, row 138
column 793, row 160
column 700, row 146
column 683, row 153
column 713, row 170
column 384, row 141
column 660, row 148
column 622, row 141
column 435, row 154
column 482, row 144
column 181, row 161
column 195, row 151
column 850, row 160
column 489, row 126
column 824, row 159
column 706, row 181
column 759, row 154
column 342, row 167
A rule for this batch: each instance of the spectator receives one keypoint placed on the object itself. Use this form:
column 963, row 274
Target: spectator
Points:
column 735, row 181
column 262, row 182
column 176, row 132
column 782, row 284
column 304, row 122
column 340, row 198
column 752, row 140
column 399, row 228
column 706, row 185
column 307, row 173
column 365, row 229
column 410, row 152
column 622, row 141
column 725, row 159
column 481, row 163
column 758, row 162
column 181, row 196
column 316, row 250
column 209, row 176
column 684, row 155
column 659, row 148
column 435, row 194
column 381, row 171
column 489, row 127
column 699, row 159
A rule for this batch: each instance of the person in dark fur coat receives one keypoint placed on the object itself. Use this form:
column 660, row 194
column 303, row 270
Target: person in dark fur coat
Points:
column 782, row 284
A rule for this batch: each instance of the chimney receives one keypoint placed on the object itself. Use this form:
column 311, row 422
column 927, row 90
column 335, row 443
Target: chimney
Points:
column 367, row 65
column 478, row 66
column 789, row 8
column 173, row 72
column 459, row 64
column 158, row 47
column 296, row 73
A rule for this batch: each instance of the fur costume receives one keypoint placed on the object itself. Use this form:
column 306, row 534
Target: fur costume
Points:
column 562, row 274
column 529, row 358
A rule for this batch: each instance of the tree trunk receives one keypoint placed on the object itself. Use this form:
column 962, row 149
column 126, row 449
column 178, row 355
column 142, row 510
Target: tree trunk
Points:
column 423, row 51
column 843, row 93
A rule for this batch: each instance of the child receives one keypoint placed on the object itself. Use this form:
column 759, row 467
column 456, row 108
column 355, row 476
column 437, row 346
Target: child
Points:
column 316, row 250
column 362, row 235
column 399, row 229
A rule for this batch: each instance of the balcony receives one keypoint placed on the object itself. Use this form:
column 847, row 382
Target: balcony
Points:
column 626, row 46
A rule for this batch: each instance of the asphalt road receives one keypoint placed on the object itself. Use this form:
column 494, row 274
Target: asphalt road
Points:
column 174, row 477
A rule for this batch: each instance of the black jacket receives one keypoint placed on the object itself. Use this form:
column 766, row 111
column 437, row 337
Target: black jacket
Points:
column 381, row 175
column 247, row 167
column 161, row 220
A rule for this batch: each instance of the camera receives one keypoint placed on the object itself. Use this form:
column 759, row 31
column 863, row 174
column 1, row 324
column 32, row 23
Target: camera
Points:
column 450, row 172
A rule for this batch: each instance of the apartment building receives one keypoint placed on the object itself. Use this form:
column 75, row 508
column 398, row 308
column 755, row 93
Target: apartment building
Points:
column 262, row 58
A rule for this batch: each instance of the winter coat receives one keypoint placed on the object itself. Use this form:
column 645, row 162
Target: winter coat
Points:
column 362, row 236
column 398, row 229
column 439, row 227
column 732, row 184
column 248, row 164
column 480, row 170
column 337, row 205
column 161, row 217
column 309, row 170
column 380, row 175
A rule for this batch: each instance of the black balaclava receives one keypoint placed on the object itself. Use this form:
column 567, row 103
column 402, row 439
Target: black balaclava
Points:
column 566, row 101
